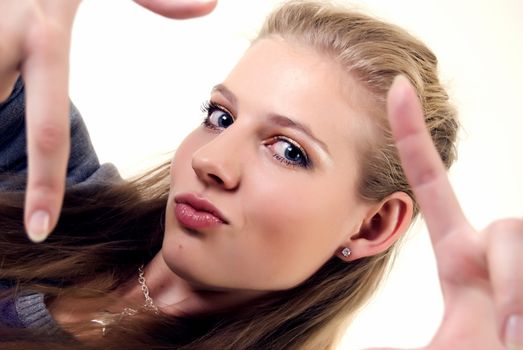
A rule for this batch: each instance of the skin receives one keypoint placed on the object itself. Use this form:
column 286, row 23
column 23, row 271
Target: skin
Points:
column 281, row 232
column 36, row 38
column 290, row 218
column 479, row 271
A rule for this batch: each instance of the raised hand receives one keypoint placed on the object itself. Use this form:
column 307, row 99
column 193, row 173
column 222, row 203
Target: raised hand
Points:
column 480, row 272
column 35, row 39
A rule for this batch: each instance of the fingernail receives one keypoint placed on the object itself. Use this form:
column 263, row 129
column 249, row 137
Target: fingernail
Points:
column 514, row 333
column 38, row 229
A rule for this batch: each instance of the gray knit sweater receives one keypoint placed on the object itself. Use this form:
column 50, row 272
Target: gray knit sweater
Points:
column 28, row 310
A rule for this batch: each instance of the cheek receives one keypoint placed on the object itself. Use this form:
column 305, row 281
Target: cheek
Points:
column 181, row 163
column 294, row 227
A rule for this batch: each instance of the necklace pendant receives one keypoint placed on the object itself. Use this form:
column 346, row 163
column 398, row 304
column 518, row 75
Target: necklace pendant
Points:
column 105, row 319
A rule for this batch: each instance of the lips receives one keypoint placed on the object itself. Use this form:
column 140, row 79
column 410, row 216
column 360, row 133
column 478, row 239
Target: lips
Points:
column 195, row 212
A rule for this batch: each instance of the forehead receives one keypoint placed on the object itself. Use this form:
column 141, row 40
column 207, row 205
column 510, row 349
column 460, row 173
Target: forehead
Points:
column 290, row 79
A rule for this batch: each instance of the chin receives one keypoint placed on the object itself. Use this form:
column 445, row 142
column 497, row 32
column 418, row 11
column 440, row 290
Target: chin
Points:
column 181, row 261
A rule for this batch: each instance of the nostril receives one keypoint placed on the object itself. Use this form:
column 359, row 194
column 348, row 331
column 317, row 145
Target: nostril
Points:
column 216, row 179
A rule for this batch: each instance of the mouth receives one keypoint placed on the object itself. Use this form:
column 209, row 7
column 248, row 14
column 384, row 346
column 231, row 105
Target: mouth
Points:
column 195, row 212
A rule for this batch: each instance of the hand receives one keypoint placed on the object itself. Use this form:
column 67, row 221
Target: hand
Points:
column 35, row 43
column 481, row 273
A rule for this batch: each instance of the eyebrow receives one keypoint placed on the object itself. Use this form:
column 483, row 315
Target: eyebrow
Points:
column 280, row 120
column 225, row 92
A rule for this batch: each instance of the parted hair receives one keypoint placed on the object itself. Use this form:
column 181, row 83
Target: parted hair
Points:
column 106, row 231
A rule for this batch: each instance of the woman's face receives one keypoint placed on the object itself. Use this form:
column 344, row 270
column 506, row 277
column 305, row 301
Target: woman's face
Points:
column 276, row 157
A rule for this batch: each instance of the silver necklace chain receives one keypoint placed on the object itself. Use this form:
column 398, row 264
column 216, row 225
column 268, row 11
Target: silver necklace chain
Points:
column 106, row 319
column 149, row 303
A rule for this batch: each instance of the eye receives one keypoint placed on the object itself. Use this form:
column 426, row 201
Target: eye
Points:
column 216, row 116
column 289, row 152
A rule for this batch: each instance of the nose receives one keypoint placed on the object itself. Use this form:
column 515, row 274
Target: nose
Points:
column 217, row 163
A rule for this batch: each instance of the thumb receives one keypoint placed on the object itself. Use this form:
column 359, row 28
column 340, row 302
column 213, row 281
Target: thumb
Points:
column 179, row 9
column 391, row 349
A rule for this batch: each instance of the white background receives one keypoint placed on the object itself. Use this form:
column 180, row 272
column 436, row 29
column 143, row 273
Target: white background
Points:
column 140, row 79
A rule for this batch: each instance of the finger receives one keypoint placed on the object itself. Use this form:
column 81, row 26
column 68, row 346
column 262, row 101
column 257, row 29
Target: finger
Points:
column 422, row 163
column 391, row 349
column 179, row 9
column 504, row 252
column 45, row 72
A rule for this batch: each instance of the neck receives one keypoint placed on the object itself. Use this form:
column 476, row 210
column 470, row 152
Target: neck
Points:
column 175, row 296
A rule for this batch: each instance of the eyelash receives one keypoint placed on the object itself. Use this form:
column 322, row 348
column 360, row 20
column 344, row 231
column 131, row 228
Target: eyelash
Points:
column 208, row 107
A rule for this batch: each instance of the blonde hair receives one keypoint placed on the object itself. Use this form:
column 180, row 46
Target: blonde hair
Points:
column 373, row 52
column 308, row 316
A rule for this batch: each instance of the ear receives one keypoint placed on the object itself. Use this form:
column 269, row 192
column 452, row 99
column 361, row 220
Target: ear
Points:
column 383, row 224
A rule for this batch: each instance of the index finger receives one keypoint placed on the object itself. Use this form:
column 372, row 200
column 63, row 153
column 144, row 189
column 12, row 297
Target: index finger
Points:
column 45, row 72
column 422, row 163
column 179, row 9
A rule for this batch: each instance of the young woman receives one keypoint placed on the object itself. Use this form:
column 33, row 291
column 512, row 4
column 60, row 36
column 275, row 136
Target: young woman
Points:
column 277, row 216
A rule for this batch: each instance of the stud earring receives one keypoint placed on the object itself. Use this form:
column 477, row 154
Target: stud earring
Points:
column 346, row 252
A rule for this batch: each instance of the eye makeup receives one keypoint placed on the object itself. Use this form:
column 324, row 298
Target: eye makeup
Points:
column 285, row 150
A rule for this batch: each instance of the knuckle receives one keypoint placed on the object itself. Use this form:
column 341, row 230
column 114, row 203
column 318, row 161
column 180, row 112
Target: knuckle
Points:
column 426, row 176
column 50, row 137
column 505, row 226
column 498, row 225
column 510, row 298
